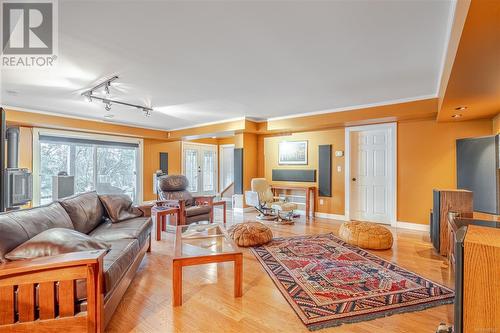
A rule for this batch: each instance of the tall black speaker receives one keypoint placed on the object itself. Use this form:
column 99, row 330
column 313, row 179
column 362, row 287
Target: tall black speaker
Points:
column 325, row 170
column 238, row 171
column 164, row 163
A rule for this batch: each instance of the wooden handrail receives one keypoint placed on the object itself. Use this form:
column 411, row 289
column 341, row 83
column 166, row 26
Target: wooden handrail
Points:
column 226, row 189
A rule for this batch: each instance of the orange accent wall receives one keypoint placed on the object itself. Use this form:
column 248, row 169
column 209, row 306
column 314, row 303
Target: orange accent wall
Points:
column 335, row 137
column 152, row 149
column 427, row 160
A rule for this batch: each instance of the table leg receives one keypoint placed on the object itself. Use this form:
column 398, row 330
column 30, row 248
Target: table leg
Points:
column 176, row 283
column 238, row 275
column 164, row 222
column 224, row 207
column 158, row 226
column 308, row 204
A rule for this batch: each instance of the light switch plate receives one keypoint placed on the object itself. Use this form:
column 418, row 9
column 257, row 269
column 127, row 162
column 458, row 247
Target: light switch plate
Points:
column 339, row 153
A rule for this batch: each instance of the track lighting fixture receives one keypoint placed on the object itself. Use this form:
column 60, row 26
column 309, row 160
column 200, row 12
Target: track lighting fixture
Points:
column 107, row 106
column 90, row 95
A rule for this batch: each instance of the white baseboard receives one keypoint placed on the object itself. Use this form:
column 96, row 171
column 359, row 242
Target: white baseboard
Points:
column 331, row 216
column 243, row 210
column 412, row 226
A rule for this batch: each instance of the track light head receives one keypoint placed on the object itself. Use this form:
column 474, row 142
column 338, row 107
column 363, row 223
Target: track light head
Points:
column 89, row 97
column 106, row 89
column 147, row 112
column 107, row 106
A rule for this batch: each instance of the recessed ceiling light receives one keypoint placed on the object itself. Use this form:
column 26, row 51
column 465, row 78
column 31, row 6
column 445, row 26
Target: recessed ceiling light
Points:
column 109, row 116
column 458, row 115
column 461, row 108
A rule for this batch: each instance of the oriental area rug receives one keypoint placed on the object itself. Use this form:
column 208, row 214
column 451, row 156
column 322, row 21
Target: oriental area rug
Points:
column 329, row 282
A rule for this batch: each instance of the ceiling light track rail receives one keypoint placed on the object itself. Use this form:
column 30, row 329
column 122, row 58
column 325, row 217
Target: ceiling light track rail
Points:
column 90, row 95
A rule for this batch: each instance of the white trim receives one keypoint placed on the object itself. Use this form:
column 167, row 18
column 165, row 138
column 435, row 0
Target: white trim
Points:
column 243, row 210
column 83, row 135
column 412, row 226
column 331, row 216
column 221, row 165
column 206, row 124
column 392, row 127
column 356, row 107
column 95, row 119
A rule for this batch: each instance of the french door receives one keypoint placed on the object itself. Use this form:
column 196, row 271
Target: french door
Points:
column 200, row 168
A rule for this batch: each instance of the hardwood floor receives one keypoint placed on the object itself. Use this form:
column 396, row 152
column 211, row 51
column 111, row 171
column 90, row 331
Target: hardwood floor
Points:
column 209, row 304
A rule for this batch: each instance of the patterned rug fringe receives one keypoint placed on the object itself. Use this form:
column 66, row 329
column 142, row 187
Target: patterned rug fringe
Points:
column 285, row 282
column 373, row 316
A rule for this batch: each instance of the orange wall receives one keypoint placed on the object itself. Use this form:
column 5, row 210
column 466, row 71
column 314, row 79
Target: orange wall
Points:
column 335, row 137
column 496, row 124
column 152, row 149
column 426, row 160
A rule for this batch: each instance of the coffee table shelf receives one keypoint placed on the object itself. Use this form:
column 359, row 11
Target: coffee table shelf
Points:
column 199, row 245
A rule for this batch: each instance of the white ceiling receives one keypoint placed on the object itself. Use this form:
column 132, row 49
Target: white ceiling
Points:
column 206, row 61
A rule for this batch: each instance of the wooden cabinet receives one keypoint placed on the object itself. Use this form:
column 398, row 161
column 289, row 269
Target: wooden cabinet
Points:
column 481, row 285
column 446, row 201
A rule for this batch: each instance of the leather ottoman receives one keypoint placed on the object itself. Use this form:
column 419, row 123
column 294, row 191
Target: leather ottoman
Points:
column 366, row 235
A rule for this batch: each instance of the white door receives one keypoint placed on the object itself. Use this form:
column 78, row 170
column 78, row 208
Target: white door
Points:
column 200, row 168
column 371, row 175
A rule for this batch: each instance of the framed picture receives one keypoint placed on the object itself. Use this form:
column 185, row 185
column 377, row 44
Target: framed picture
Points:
column 292, row 152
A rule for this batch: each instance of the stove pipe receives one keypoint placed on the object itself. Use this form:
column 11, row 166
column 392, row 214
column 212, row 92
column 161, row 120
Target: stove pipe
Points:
column 12, row 147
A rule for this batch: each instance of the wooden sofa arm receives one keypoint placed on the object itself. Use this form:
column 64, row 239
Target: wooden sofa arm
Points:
column 55, row 279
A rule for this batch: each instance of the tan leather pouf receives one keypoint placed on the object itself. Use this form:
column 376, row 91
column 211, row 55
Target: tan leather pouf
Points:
column 366, row 235
column 250, row 234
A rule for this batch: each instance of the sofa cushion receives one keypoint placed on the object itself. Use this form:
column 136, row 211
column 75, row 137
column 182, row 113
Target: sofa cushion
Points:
column 55, row 241
column 19, row 226
column 118, row 260
column 85, row 210
column 197, row 218
column 119, row 207
column 138, row 228
column 197, row 210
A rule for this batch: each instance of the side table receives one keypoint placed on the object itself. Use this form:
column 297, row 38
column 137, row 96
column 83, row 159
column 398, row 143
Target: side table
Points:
column 161, row 213
column 223, row 204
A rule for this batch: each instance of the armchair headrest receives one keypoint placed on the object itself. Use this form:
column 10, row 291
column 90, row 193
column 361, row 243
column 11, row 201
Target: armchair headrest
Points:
column 260, row 185
column 173, row 183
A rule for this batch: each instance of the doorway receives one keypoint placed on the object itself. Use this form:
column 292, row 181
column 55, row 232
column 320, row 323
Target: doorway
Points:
column 371, row 169
column 199, row 165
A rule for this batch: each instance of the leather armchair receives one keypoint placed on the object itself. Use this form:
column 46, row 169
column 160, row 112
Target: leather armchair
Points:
column 173, row 193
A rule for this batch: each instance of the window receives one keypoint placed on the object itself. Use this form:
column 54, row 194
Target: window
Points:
column 93, row 163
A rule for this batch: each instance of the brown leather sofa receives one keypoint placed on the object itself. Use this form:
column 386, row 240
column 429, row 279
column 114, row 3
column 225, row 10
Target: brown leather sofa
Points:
column 74, row 291
column 174, row 193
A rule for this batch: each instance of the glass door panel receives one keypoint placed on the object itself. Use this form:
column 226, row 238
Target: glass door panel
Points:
column 117, row 171
column 209, row 171
column 55, row 159
column 200, row 168
column 191, row 167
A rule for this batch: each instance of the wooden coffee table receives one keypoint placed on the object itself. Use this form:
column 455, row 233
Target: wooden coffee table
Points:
column 203, row 244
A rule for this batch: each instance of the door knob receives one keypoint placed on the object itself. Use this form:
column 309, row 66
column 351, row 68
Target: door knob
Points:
column 354, row 179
